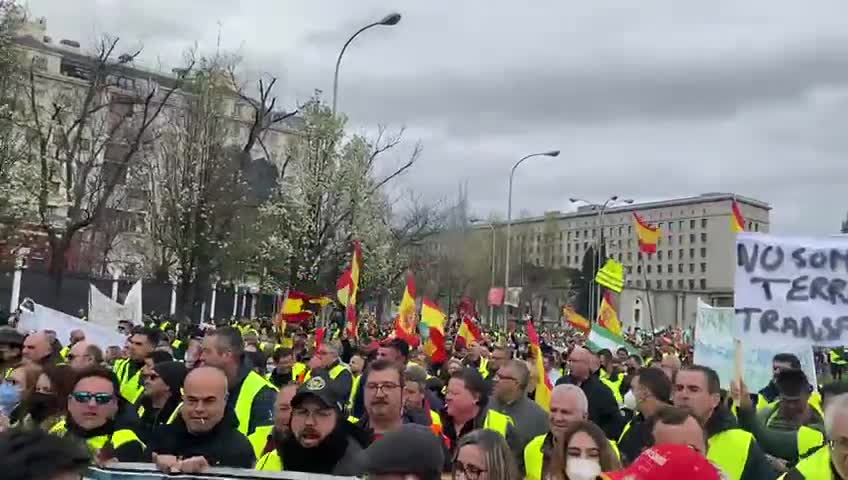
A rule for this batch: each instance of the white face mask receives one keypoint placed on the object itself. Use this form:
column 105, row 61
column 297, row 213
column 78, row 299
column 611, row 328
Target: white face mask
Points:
column 582, row 469
column 630, row 400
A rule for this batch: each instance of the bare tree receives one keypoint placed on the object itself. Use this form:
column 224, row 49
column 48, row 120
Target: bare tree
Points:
column 87, row 138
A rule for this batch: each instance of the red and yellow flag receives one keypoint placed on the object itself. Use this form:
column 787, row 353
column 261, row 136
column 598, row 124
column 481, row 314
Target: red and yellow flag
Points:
column 575, row 319
column 737, row 221
column 406, row 323
column 348, row 289
column 468, row 332
column 607, row 316
column 543, row 386
column 433, row 330
column 648, row 235
column 293, row 309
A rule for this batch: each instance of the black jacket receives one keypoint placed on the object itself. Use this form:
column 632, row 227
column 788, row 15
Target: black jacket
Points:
column 635, row 439
column 128, row 452
column 222, row 446
column 756, row 466
column 603, row 408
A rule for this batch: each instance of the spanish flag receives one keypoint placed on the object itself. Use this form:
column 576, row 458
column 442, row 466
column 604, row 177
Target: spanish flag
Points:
column 433, row 331
column 293, row 309
column 348, row 289
column 468, row 332
column 576, row 320
column 647, row 235
column 405, row 322
column 737, row 221
column 607, row 316
column 543, row 387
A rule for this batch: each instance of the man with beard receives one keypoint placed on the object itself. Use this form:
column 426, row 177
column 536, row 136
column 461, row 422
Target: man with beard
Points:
column 320, row 440
column 384, row 402
column 205, row 434
column 266, row 438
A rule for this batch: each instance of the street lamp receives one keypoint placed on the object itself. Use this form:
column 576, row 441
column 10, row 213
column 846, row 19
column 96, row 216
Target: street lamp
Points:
column 552, row 153
column 491, row 226
column 595, row 291
column 388, row 21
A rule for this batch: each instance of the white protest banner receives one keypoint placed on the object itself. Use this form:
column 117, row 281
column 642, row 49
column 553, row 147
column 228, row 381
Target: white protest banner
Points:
column 715, row 349
column 35, row 317
column 791, row 290
column 102, row 310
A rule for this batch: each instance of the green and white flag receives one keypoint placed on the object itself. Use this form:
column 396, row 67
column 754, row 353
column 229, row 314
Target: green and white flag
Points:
column 601, row 338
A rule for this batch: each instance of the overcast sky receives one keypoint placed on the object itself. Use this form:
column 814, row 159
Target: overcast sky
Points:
column 673, row 98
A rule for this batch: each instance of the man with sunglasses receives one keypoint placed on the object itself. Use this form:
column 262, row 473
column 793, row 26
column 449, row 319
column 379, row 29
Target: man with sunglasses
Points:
column 92, row 410
column 511, row 382
column 320, row 439
column 162, row 395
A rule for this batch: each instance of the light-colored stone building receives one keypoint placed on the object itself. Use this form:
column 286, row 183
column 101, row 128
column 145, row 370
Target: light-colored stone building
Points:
column 694, row 259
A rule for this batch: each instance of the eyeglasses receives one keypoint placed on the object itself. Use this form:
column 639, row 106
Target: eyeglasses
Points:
column 99, row 398
column 385, row 388
column 322, row 414
column 467, row 472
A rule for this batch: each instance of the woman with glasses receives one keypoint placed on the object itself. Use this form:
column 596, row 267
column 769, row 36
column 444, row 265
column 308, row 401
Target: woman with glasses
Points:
column 484, row 455
column 583, row 454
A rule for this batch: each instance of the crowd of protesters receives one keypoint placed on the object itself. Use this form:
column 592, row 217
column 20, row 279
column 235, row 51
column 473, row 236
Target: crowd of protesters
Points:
column 241, row 395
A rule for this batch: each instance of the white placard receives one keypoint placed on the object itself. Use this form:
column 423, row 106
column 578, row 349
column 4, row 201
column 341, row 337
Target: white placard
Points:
column 791, row 290
column 102, row 310
column 35, row 317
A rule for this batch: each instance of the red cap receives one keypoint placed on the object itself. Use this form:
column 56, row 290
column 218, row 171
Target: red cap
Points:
column 668, row 462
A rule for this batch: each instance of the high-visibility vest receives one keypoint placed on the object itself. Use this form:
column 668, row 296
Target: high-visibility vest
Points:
column 298, row 369
column 250, row 387
column 729, row 450
column 815, row 467
column 353, row 388
column 625, row 430
column 334, row 372
column 534, row 457
column 131, row 387
column 259, row 439
column 164, row 326
column 171, row 417
column 836, row 358
column 614, row 388
column 65, row 351
column 484, row 367
column 270, row 461
column 497, row 421
column 118, row 438
column 808, row 440
column 176, row 344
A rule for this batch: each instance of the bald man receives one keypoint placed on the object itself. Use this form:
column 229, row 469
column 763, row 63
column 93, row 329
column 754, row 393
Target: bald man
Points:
column 38, row 350
column 205, row 434
column 84, row 355
column 603, row 408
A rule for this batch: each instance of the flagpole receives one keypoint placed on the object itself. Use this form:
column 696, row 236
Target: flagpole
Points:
column 648, row 293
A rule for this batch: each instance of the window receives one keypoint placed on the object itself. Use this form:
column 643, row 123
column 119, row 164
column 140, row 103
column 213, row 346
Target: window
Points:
column 659, row 254
column 680, row 240
column 703, row 268
column 671, row 240
column 691, row 253
column 691, row 238
column 568, row 248
column 691, row 284
column 659, row 284
column 659, row 268
column 756, row 227
column 629, row 256
column 639, row 255
column 692, row 224
column 679, row 268
column 660, row 225
column 680, row 284
column 638, row 268
column 670, row 254
column 670, row 268
column 680, row 254
column 629, row 284
column 691, row 268
column 576, row 260
column 703, row 283
column 577, row 234
column 703, row 253
column 669, row 284
column 680, row 225
column 704, row 237
column 619, row 231
column 703, row 223
column 585, row 245
column 649, row 268
column 638, row 283
column 629, row 270
column 630, row 230
column 670, row 226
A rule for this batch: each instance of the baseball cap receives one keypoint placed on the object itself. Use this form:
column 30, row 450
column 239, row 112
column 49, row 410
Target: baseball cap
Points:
column 668, row 462
column 318, row 387
column 413, row 449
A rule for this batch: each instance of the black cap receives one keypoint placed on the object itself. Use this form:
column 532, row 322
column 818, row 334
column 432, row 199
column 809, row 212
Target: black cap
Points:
column 412, row 449
column 792, row 382
column 319, row 387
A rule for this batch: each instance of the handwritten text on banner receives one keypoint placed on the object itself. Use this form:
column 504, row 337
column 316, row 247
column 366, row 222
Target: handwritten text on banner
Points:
column 791, row 290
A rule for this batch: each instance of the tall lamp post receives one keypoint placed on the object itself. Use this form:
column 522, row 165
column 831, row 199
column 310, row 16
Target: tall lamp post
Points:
column 492, row 283
column 595, row 291
column 552, row 153
column 388, row 21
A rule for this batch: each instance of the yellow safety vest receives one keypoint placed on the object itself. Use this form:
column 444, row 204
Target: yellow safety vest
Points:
column 164, row 326
column 65, row 351
column 729, row 450
column 170, row 419
column 251, row 386
column 534, row 457
column 270, row 461
column 835, row 358
column 131, row 387
column 613, row 386
column 259, row 438
column 118, row 438
column 334, row 372
column 484, row 367
column 176, row 344
column 815, row 467
column 497, row 421
column 353, row 388
column 808, row 440
column 624, row 431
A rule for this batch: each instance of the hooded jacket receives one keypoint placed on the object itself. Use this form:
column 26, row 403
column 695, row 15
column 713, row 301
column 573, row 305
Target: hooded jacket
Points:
column 222, row 446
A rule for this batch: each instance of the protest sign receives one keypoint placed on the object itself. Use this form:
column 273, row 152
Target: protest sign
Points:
column 35, row 317
column 791, row 290
column 102, row 310
column 714, row 348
